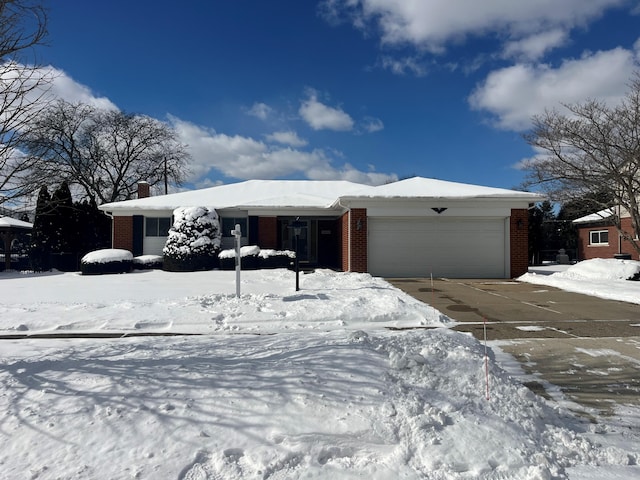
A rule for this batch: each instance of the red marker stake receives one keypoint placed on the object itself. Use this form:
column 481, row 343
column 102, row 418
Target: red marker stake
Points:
column 486, row 357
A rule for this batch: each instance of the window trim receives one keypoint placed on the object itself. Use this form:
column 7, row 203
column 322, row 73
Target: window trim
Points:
column 157, row 232
column 599, row 243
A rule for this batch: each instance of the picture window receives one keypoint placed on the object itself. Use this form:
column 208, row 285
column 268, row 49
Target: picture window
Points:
column 599, row 237
column 157, row 226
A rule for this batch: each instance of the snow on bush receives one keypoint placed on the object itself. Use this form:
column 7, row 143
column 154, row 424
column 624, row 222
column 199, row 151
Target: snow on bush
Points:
column 107, row 255
column 255, row 250
column 147, row 262
column 110, row 260
column 253, row 257
column 195, row 232
column 251, row 250
column 147, row 259
column 268, row 253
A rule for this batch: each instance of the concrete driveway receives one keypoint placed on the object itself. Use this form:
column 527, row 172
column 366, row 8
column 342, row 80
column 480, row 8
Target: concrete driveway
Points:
column 586, row 346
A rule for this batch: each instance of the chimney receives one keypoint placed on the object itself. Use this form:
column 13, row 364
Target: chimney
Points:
column 143, row 190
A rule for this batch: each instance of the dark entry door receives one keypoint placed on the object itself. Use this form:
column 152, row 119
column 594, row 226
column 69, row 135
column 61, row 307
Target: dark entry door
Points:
column 328, row 244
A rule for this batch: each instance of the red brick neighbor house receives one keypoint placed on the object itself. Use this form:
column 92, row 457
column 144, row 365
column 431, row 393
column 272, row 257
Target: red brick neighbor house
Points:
column 599, row 238
column 416, row 227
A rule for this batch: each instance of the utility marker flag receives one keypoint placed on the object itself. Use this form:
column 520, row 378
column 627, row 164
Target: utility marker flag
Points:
column 486, row 357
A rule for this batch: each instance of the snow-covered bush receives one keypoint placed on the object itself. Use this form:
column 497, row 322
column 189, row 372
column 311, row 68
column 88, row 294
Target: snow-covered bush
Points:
column 248, row 258
column 252, row 257
column 109, row 260
column 194, row 240
column 276, row 258
column 147, row 262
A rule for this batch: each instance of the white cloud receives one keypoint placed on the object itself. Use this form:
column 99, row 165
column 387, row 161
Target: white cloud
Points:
column 432, row 25
column 246, row 158
column 70, row 90
column 526, row 163
column 289, row 137
column 348, row 172
column 535, row 46
column 260, row 110
column 514, row 94
column 403, row 66
column 322, row 117
column 371, row 124
column 55, row 84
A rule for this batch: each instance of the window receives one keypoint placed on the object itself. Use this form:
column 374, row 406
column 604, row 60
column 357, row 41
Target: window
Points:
column 599, row 237
column 157, row 226
column 229, row 223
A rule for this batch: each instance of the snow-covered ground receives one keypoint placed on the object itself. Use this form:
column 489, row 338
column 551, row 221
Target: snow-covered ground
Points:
column 600, row 277
column 280, row 384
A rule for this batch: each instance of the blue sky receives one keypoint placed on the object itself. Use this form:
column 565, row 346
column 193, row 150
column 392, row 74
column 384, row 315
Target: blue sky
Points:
column 362, row 90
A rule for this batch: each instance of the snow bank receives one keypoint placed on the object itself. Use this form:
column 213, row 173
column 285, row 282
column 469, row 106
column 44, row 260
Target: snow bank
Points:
column 604, row 278
column 601, row 269
column 310, row 405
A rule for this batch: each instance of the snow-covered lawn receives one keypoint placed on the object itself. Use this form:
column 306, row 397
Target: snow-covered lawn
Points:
column 280, row 384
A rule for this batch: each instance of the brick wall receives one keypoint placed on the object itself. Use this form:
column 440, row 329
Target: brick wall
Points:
column 358, row 240
column 122, row 234
column 519, row 228
column 587, row 251
column 268, row 232
column 344, row 242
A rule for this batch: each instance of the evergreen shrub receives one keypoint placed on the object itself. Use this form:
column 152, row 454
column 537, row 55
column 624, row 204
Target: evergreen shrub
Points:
column 194, row 240
column 106, row 261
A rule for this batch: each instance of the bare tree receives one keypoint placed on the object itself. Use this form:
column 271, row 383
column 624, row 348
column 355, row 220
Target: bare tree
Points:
column 22, row 87
column 104, row 152
column 593, row 152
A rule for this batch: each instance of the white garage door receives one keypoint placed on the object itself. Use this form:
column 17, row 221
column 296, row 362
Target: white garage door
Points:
column 442, row 247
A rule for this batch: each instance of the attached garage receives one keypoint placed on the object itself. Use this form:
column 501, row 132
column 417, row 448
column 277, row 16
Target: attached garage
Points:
column 454, row 247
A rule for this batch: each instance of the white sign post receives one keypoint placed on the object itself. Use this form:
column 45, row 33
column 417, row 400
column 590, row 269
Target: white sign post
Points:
column 238, row 234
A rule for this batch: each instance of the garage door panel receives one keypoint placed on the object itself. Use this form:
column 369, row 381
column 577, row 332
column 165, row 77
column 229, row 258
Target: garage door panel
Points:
column 455, row 248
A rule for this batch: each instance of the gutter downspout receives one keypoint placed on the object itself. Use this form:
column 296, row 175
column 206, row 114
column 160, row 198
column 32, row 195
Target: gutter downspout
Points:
column 110, row 215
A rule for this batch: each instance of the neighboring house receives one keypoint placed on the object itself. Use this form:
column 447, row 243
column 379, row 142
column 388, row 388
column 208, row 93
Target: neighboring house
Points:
column 14, row 241
column 599, row 238
column 412, row 228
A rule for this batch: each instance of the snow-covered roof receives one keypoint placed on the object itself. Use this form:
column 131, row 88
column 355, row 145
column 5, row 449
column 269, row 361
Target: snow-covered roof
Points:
column 603, row 215
column 12, row 222
column 419, row 187
column 321, row 194
column 252, row 193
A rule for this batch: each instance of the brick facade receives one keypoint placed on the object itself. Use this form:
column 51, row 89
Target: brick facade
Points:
column 586, row 251
column 268, row 232
column 519, row 241
column 353, row 241
column 344, row 242
column 358, row 240
column 122, row 234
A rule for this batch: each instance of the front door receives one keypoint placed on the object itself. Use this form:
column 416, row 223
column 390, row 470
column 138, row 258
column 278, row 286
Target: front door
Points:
column 328, row 244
